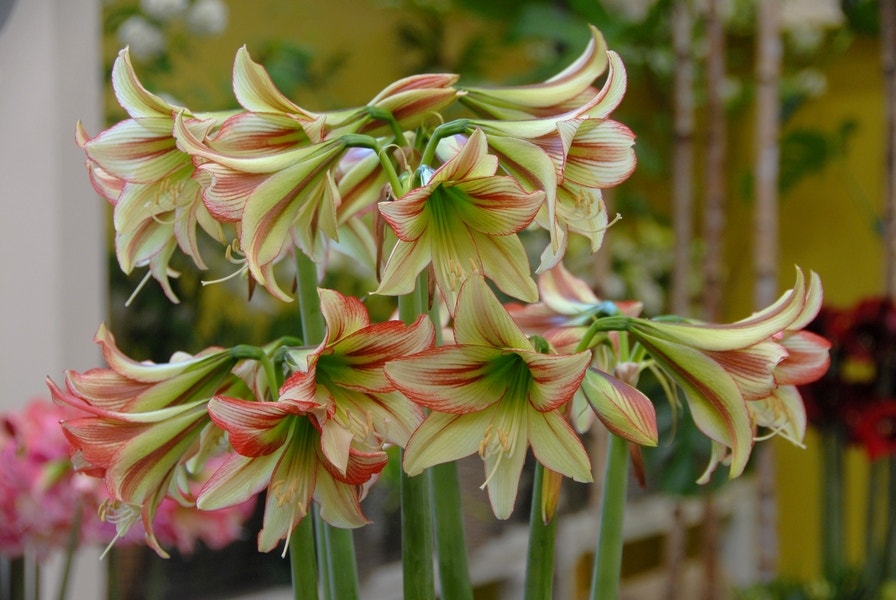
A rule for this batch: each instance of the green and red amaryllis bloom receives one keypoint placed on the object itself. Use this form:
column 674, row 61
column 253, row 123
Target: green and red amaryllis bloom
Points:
column 278, row 447
column 565, row 91
column 721, row 368
column 344, row 375
column 281, row 197
column 146, row 423
column 570, row 154
column 137, row 167
column 491, row 392
column 463, row 218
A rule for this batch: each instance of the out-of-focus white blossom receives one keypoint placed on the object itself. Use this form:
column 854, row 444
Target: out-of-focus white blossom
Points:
column 811, row 82
column 164, row 10
column 208, row 17
column 145, row 40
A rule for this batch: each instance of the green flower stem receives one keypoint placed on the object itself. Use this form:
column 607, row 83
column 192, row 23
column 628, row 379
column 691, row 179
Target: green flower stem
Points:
column 384, row 115
column 832, row 503
column 602, row 324
column 441, row 132
column 416, row 537
column 416, row 510
column 357, row 140
column 255, row 353
column 320, row 540
column 343, row 580
column 313, row 332
column 540, row 557
column 301, row 561
column 451, row 546
column 608, row 555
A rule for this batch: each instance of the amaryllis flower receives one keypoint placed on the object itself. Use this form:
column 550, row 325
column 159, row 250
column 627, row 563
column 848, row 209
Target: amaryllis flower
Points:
column 344, row 375
column 463, row 218
column 569, row 89
column 137, row 167
column 145, row 422
column 493, row 393
column 723, row 367
column 278, row 448
column 570, row 155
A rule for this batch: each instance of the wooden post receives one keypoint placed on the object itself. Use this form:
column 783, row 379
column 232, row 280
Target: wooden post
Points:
column 765, row 247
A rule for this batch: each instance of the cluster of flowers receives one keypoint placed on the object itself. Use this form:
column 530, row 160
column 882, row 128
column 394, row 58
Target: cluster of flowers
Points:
column 858, row 393
column 434, row 208
column 45, row 505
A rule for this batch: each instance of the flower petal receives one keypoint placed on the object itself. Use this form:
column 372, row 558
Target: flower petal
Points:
column 623, row 409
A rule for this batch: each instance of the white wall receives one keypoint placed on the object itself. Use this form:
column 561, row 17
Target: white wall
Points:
column 52, row 256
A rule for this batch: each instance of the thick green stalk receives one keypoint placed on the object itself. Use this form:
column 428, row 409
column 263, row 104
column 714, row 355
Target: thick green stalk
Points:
column 451, row 546
column 324, row 568
column 343, row 569
column 416, row 510
column 302, row 541
column 301, row 561
column 608, row 555
column 540, row 557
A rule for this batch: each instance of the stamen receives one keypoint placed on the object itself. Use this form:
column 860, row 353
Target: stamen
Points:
column 137, row 289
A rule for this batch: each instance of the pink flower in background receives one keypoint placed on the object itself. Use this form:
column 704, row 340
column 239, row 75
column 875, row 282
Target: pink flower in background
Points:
column 40, row 493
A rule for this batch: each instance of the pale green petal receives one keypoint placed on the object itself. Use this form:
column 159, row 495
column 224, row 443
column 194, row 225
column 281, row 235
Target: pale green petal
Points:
column 481, row 320
column 557, row 446
column 237, row 480
column 716, row 403
column 404, row 264
column 503, row 466
column 339, row 503
column 504, row 261
column 445, row 437
column 131, row 94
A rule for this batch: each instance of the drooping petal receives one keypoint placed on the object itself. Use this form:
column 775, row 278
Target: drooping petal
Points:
column 557, row 447
column 505, row 455
column 716, row 403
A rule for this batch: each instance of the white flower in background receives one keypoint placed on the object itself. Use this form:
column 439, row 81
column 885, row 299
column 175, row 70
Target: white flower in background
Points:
column 812, row 82
column 208, row 17
column 145, row 40
column 163, row 10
